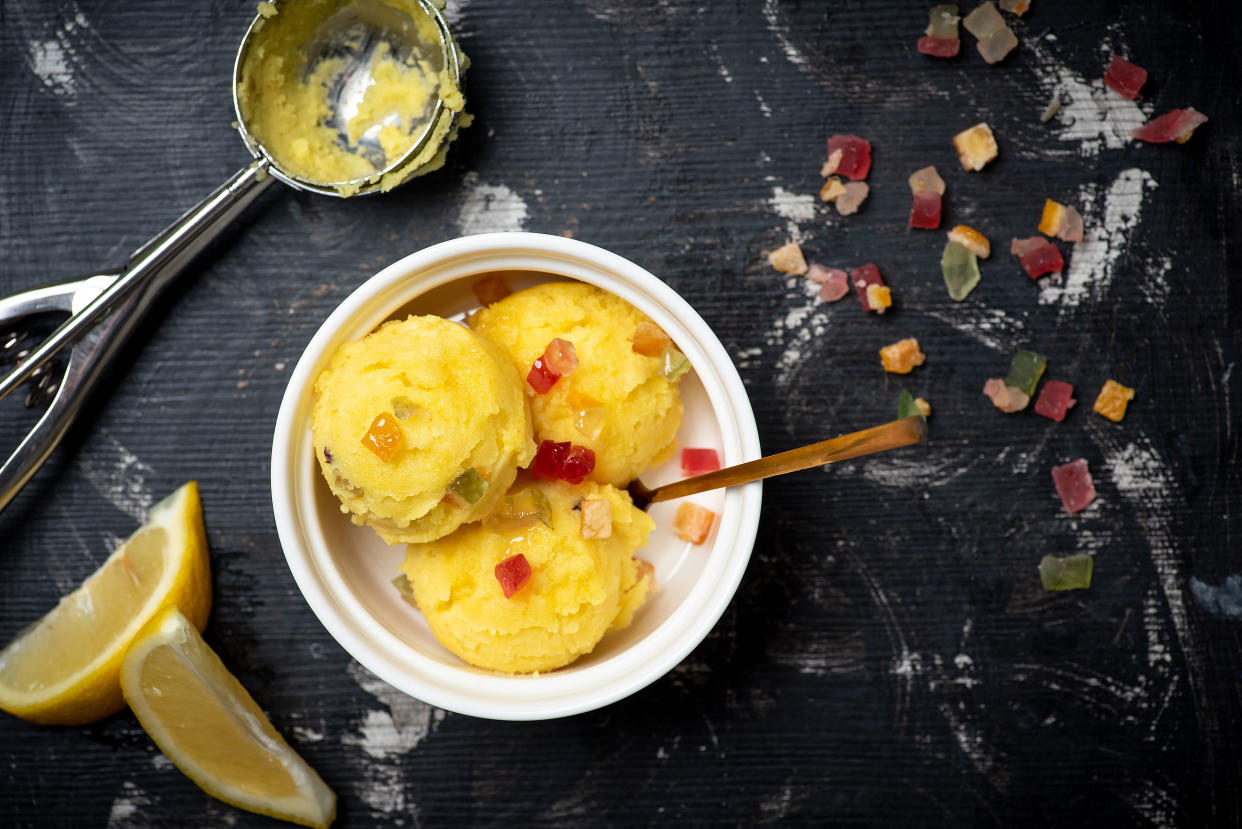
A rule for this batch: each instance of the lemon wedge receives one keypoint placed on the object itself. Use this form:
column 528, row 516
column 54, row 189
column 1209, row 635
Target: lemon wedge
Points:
column 63, row 669
column 203, row 719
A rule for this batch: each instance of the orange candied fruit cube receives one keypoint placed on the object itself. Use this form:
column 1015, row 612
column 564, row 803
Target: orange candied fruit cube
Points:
column 788, row 259
column 972, row 240
column 649, row 339
column 1113, row 400
column 902, row 356
column 832, row 189
column 923, row 406
column 693, row 523
column 976, row 147
column 879, row 297
column 384, row 438
column 1053, row 215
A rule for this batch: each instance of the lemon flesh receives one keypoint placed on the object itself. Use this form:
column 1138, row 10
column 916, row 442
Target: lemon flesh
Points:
column 210, row 727
column 63, row 669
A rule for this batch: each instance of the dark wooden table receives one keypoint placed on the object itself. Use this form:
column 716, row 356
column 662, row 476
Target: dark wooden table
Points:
column 890, row 657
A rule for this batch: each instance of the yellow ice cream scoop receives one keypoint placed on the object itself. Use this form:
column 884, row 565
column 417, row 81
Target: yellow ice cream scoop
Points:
column 419, row 427
column 539, row 582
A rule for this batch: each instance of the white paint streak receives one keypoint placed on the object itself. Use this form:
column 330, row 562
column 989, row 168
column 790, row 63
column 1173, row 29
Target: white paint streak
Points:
column 489, row 208
column 796, row 207
column 49, row 61
column 990, row 327
column 120, row 477
column 1225, row 600
column 1106, row 236
column 126, row 806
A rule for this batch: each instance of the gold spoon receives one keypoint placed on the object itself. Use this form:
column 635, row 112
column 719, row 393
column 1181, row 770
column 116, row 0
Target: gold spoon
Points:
column 904, row 432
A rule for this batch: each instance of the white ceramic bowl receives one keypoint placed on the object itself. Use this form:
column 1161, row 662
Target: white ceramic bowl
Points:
column 345, row 571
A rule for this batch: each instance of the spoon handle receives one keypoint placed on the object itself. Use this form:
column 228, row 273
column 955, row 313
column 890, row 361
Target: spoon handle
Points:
column 904, row 432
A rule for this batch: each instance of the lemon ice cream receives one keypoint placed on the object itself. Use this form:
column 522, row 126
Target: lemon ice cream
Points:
column 419, row 427
column 578, row 580
column 619, row 402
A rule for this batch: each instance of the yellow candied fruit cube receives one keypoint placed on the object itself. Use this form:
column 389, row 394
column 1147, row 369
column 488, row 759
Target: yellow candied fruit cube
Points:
column 976, row 146
column 879, row 297
column 972, row 240
column 1050, row 221
column 1113, row 400
column 832, row 189
column 923, row 406
column 902, row 356
column 788, row 259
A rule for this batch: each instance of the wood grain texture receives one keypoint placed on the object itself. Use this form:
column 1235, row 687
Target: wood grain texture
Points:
column 890, row 658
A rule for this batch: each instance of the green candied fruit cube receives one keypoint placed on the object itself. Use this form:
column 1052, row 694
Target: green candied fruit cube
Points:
column 1066, row 573
column 1025, row 370
column 943, row 22
column 961, row 270
column 402, row 583
column 906, row 406
column 673, row 364
column 469, row 486
column 520, row 510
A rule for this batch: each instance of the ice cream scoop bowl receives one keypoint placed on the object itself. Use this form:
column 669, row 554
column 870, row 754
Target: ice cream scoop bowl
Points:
column 346, row 60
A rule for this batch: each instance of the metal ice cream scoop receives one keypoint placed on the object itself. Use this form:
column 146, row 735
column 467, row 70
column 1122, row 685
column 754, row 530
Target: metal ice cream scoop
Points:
column 104, row 308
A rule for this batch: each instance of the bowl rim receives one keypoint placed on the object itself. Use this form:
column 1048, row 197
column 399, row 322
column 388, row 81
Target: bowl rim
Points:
column 460, row 688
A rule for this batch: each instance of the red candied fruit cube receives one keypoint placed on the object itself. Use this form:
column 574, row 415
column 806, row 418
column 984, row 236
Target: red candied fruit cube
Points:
column 925, row 212
column 541, row 377
column 549, row 459
column 513, row 573
column 1172, row 126
column 562, row 462
column 1074, row 485
column 1043, row 260
column 1055, row 399
column 579, row 462
column 860, row 278
column 940, row 47
column 698, row 461
column 855, row 156
column 557, row 360
column 1124, row 77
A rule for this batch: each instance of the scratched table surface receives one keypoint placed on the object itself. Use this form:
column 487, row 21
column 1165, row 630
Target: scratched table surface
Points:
column 890, row 657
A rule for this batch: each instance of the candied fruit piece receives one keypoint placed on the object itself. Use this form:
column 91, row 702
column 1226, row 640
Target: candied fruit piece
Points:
column 1025, row 370
column 549, row 459
column 693, row 523
column 833, row 162
column 578, row 464
column 1037, row 256
column 1066, row 572
column 942, row 22
column 558, row 360
column 902, row 356
column 384, row 438
column 995, row 47
column 788, row 259
column 960, row 269
column 984, row 20
column 880, row 298
column 673, row 364
column 855, row 194
column 1124, row 77
column 491, row 288
column 926, row 179
column 832, row 190
column 403, row 408
column 925, row 211
column 939, row 47
column 1074, row 485
column 402, row 583
column 855, row 160
column 1061, row 221
column 1113, row 400
column 972, row 240
column 836, row 286
column 1177, row 125
column 1018, row 7
column 1054, row 106
column 520, row 510
column 698, row 461
column 541, row 377
column 467, row 488
column 1055, row 399
column 596, row 518
column 975, row 147
column 863, row 277
column 590, row 421
column 909, row 406
column 513, row 573
column 1006, row 398
column 649, row 339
